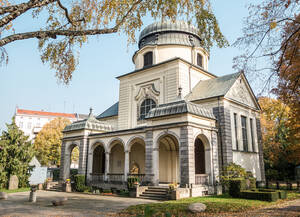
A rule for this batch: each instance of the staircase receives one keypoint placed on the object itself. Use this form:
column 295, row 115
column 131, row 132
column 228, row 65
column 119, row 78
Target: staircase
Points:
column 155, row 193
column 55, row 186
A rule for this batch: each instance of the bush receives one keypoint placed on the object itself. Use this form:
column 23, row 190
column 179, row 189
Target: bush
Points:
column 252, row 184
column 131, row 180
column 80, row 183
column 232, row 171
column 260, row 195
column 236, row 185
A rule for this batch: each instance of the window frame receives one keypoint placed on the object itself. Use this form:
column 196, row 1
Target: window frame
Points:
column 235, row 131
column 200, row 56
column 149, row 104
column 147, row 60
column 252, row 135
column 244, row 133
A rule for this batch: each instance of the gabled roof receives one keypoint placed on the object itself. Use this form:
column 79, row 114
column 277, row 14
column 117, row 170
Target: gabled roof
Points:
column 179, row 107
column 111, row 111
column 91, row 123
column 212, row 87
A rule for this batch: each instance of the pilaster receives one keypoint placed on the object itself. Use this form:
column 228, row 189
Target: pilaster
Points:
column 260, row 150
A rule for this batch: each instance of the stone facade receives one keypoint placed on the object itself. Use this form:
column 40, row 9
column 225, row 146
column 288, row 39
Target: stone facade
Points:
column 173, row 122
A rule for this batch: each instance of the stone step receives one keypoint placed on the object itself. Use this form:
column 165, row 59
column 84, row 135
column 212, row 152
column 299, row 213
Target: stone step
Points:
column 153, row 197
column 153, row 194
column 157, row 190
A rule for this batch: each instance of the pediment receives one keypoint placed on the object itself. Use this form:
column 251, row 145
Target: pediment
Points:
column 241, row 92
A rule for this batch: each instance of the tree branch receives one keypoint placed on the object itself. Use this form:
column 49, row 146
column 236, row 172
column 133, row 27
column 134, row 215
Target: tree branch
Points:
column 55, row 33
column 67, row 14
column 22, row 8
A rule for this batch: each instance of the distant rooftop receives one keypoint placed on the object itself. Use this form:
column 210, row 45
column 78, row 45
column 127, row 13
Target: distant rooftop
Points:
column 52, row 114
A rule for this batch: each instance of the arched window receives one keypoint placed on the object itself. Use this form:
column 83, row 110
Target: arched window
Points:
column 199, row 60
column 148, row 59
column 146, row 106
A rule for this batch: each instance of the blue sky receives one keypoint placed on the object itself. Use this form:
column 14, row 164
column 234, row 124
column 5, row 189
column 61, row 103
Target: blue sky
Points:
column 28, row 83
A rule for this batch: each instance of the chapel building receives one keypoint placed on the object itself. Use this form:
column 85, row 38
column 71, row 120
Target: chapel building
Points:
column 175, row 122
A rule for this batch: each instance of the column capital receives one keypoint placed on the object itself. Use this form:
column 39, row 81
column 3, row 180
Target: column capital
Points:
column 155, row 149
column 127, row 151
column 107, row 152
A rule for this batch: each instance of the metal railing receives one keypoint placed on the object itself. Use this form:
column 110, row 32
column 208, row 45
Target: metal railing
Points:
column 201, row 179
column 97, row 177
column 115, row 177
column 140, row 176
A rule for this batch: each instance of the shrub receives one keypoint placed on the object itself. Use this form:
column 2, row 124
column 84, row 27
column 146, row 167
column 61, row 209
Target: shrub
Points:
column 236, row 185
column 80, row 183
column 131, row 180
column 232, row 171
column 252, row 184
column 260, row 195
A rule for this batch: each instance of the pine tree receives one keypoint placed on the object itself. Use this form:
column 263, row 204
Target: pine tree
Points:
column 15, row 154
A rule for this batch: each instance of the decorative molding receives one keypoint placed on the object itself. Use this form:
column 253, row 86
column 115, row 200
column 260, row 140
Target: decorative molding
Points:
column 146, row 91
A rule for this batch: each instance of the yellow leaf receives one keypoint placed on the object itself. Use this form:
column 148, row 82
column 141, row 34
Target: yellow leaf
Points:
column 273, row 25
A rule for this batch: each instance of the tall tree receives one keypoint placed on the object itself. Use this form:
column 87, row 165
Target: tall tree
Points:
column 69, row 23
column 280, row 150
column 288, row 89
column 265, row 40
column 15, row 154
column 48, row 142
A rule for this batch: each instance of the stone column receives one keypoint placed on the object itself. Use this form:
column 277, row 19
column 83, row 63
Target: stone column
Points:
column 215, row 157
column 126, row 165
column 83, row 149
column 155, row 164
column 186, row 155
column 107, row 154
column 149, row 158
column 260, row 150
column 65, row 159
column 225, row 141
column 90, row 166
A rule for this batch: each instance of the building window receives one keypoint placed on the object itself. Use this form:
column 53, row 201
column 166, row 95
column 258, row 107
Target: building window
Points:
column 244, row 133
column 29, row 125
column 199, row 60
column 146, row 106
column 235, row 131
column 38, row 124
column 21, row 125
column 252, row 135
column 148, row 59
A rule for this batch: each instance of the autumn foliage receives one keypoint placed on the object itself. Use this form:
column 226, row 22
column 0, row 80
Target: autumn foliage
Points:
column 48, row 142
column 280, row 140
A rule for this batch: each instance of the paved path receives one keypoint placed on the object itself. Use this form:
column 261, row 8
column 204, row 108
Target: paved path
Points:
column 77, row 205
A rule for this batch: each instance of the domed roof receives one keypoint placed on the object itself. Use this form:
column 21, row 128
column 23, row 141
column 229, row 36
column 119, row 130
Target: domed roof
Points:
column 168, row 32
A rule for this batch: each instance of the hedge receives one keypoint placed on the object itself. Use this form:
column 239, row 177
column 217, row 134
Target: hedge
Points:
column 80, row 183
column 260, row 195
column 236, row 186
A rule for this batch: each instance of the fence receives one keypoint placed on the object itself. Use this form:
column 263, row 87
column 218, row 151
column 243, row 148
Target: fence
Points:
column 284, row 185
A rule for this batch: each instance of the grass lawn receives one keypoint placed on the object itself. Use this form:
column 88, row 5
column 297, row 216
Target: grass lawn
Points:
column 14, row 191
column 215, row 204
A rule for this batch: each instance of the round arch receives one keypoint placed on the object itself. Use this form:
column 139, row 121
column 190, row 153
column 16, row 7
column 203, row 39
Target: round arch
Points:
column 97, row 143
column 137, row 149
column 202, row 158
column 168, row 146
column 113, row 142
column 165, row 133
column 131, row 141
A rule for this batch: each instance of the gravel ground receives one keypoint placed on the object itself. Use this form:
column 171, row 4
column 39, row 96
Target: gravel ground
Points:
column 77, row 204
